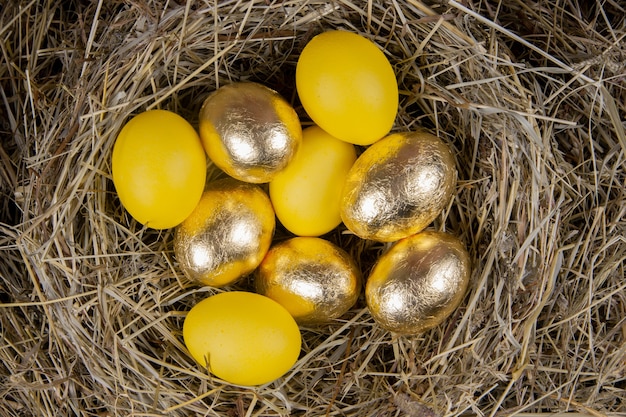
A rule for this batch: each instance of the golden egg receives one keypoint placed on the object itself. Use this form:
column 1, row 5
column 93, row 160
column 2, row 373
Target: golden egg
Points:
column 418, row 283
column 227, row 235
column 249, row 131
column 398, row 186
column 315, row 280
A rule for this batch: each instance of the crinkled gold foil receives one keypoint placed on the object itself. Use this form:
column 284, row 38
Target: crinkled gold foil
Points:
column 418, row 283
column 398, row 186
column 249, row 131
column 227, row 235
column 312, row 278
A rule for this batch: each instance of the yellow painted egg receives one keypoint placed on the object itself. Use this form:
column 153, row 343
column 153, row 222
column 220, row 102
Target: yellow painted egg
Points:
column 418, row 283
column 249, row 131
column 398, row 186
column 227, row 235
column 315, row 280
column 159, row 168
column 347, row 86
column 307, row 192
column 242, row 337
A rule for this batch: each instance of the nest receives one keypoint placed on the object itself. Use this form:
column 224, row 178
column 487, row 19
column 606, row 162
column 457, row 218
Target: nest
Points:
column 531, row 98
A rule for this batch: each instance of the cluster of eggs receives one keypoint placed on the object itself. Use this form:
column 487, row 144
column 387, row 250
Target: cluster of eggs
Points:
column 316, row 180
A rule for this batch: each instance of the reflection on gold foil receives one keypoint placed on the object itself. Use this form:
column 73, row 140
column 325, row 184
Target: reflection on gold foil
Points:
column 418, row 283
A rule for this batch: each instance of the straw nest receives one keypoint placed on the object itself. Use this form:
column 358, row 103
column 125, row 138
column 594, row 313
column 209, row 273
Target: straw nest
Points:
column 531, row 97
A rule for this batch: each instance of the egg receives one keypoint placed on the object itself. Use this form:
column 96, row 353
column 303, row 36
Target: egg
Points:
column 418, row 282
column 158, row 167
column 249, row 131
column 307, row 192
column 227, row 235
column 347, row 86
column 315, row 280
column 242, row 337
column 398, row 186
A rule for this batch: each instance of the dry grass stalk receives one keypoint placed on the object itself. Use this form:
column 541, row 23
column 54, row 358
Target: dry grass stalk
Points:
column 530, row 95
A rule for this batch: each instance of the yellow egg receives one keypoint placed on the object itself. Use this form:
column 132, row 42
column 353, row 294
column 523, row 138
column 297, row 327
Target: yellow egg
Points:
column 347, row 86
column 241, row 337
column 249, row 131
column 398, row 186
column 307, row 192
column 315, row 280
column 418, row 283
column 159, row 168
column 227, row 235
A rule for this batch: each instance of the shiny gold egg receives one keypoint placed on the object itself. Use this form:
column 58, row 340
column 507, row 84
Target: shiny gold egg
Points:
column 315, row 280
column 418, row 282
column 227, row 235
column 398, row 186
column 249, row 131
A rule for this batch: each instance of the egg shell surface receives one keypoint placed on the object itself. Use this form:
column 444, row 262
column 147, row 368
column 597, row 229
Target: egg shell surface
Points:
column 158, row 167
column 347, row 86
column 241, row 337
column 307, row 193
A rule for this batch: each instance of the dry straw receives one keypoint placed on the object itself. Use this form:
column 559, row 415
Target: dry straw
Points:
column 530, row 95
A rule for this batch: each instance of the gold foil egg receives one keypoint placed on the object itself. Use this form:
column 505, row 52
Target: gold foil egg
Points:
column 418, row 283
column 249, row 131
column 398, row 186
column 227, row 235
column 315, row 280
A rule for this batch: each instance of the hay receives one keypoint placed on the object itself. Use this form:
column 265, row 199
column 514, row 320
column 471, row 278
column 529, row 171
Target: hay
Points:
column 531, row 96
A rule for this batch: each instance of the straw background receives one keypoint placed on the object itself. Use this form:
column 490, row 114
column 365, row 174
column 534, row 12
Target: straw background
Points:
column 531, row 96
